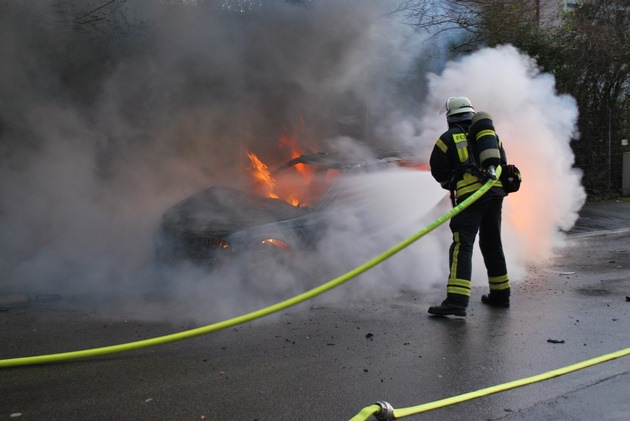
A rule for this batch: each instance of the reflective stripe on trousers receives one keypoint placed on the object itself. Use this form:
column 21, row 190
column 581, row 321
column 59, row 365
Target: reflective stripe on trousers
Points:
column 484, row 218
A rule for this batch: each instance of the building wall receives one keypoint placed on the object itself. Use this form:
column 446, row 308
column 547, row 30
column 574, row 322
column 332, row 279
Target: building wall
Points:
column 550, row 9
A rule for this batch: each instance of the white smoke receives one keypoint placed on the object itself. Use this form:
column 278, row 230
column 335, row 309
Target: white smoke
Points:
column 376, row 212
column 536, row 126
column 92, row 156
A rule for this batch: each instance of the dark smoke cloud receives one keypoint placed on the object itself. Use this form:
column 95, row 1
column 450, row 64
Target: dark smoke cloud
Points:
column 103, row 125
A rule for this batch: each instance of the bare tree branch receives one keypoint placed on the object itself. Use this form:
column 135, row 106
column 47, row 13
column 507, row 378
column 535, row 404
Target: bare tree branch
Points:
column 78, row 19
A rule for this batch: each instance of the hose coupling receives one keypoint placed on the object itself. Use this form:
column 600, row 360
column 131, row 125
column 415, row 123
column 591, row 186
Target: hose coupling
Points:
column 386, row 413
column 492, row 172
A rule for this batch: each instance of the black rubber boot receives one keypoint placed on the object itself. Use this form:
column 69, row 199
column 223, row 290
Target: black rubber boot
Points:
column 496, row 300
column 448, row 309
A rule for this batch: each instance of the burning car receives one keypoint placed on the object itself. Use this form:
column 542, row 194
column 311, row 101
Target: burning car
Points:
column 220, row 224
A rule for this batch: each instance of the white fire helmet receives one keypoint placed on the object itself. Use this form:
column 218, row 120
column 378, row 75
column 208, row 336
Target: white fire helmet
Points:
column 458, row 105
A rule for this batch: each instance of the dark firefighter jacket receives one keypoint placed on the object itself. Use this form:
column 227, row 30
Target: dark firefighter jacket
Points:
column 449, row 158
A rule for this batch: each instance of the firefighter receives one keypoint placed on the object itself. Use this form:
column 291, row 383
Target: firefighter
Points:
column 461, row 161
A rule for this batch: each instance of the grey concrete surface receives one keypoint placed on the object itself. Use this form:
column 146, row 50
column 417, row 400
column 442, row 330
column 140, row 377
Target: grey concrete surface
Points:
column 328, row 361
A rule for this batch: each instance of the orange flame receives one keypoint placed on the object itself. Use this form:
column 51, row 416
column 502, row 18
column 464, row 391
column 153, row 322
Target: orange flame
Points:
column 293, row 184
column 290, row 142
column 262, row 174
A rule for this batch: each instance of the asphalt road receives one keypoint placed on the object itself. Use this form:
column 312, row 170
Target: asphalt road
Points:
column 328, row 361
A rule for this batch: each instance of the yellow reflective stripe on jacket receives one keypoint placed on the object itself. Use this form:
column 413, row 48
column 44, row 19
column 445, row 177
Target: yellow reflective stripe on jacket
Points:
column 461, row 143
column 440, row 144
column 468, row 184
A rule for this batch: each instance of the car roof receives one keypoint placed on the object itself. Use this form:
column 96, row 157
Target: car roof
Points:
column 338, row 161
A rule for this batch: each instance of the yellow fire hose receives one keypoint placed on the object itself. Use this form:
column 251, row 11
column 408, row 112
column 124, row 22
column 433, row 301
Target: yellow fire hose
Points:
column 94, row 352
column 384, row 411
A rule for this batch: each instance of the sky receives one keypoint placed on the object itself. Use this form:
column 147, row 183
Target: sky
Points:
column 91, row 156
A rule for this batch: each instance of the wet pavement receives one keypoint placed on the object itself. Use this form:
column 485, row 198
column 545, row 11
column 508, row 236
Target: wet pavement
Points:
column 327, row 361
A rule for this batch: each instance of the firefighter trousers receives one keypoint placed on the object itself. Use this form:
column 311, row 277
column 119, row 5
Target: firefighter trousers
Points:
column 484, row 218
